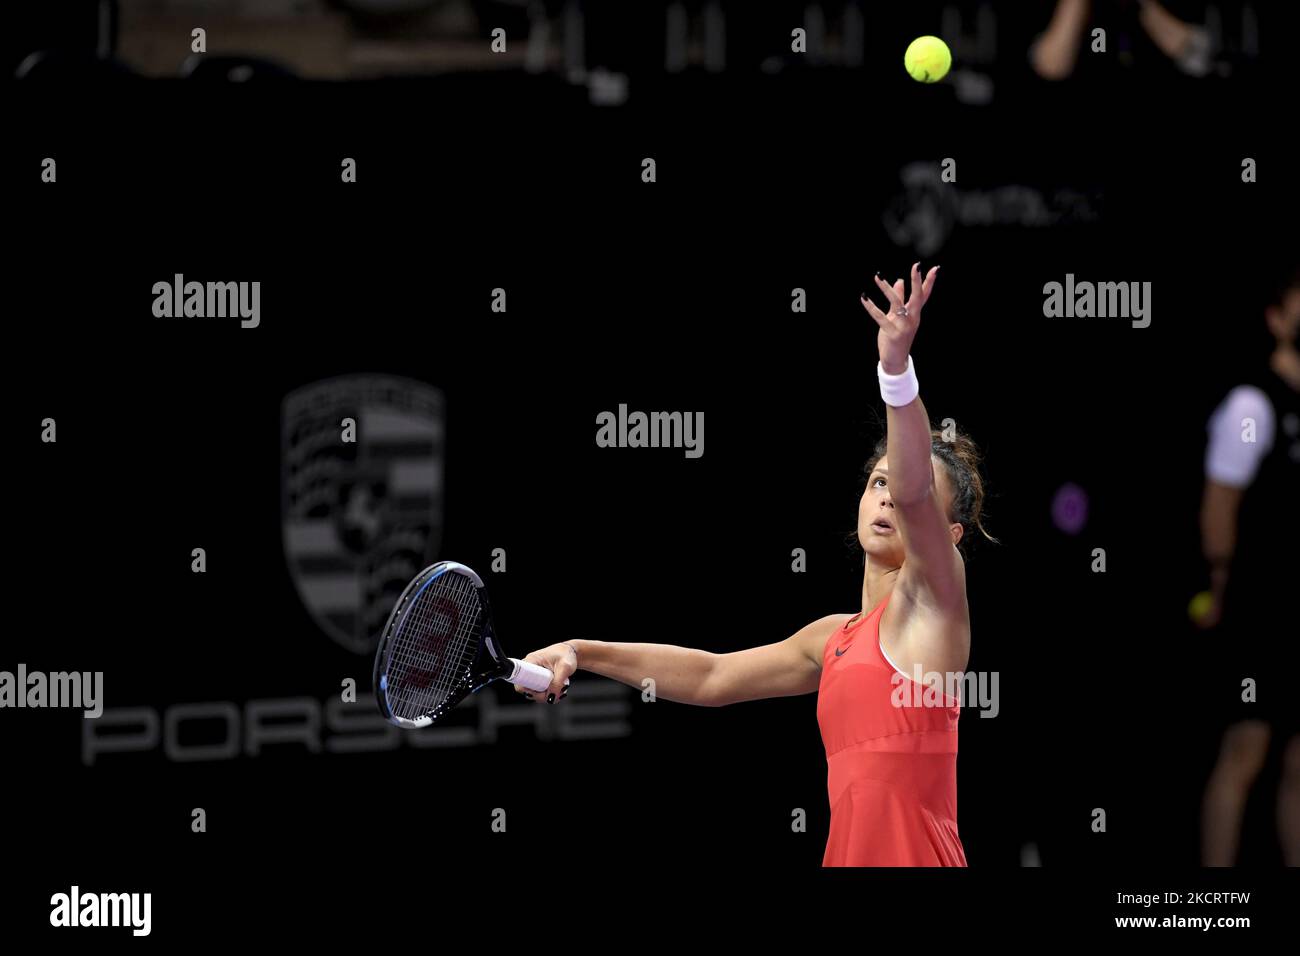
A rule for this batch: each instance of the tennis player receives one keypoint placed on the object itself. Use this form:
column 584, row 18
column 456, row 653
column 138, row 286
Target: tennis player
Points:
column 891, row 760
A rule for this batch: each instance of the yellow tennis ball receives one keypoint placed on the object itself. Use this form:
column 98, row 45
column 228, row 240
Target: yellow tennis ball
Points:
column 927, row 59
column 1200, row 605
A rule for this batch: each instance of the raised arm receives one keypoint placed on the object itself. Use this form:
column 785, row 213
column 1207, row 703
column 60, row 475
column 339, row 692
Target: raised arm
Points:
column 932, row 574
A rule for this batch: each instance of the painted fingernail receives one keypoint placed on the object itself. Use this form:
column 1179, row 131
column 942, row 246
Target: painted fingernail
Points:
column 550, row 698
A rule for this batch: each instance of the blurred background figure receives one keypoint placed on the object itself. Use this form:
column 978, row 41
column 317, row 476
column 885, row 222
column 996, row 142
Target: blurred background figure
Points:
column 253, row 39
column 1133, row 28
column 1249, row 532
column 607, row 47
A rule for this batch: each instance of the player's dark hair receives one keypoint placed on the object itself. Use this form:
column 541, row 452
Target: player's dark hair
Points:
column 961, row 457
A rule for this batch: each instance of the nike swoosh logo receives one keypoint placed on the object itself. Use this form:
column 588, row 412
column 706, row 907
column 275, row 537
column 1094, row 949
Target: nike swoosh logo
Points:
column 838, row 651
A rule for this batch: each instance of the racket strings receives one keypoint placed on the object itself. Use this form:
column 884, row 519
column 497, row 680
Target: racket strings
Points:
column 463, row 645
column 434, row 646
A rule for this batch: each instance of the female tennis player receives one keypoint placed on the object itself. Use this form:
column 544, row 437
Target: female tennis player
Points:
column 891, row 760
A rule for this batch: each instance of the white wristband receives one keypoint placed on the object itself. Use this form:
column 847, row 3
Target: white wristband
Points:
column 898, row 390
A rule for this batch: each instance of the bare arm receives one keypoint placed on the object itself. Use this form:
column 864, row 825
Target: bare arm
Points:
column 679, row 673
column 1231, row 464
column 1056, row 50
column 932, row 577
column 932, row 571
column 1220, row 505
column 784, row 669
column 1168, row 32
column 690, row 676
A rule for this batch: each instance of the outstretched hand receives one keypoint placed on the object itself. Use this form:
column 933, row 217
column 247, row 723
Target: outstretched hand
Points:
column 898, row 326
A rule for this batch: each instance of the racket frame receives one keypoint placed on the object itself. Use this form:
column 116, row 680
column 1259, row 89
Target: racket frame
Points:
column 497, row 667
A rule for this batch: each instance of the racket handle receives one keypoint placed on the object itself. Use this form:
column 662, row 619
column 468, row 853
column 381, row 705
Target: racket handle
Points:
column 530, row 675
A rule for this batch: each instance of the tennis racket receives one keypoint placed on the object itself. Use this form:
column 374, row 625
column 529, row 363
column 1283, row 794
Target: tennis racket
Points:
column 439, row 646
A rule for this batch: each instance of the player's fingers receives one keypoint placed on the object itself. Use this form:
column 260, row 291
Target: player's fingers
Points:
column 525, row 692
column 899, row 294
column 894, row 301
column 556, row 690
column 873, row 310
column 915, row 298
column 929, row 283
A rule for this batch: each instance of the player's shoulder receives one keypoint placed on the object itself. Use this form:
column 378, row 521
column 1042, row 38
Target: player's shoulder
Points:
column 813, row 637
column 832, row 622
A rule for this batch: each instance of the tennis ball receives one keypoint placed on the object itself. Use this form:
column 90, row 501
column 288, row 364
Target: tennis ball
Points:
column 1200, row 605
column 927, row 59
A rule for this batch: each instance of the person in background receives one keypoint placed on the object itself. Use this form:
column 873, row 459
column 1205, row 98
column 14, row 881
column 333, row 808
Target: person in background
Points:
column 1249, row 533
column 1055, row 52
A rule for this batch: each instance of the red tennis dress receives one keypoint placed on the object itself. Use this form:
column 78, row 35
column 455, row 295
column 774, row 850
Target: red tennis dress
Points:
column 891, row 771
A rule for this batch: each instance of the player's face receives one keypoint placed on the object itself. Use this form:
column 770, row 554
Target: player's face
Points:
column 1284, row 318
column 877, row 522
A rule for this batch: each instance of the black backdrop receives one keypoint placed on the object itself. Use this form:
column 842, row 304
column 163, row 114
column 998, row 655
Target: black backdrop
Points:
column 666, row 296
